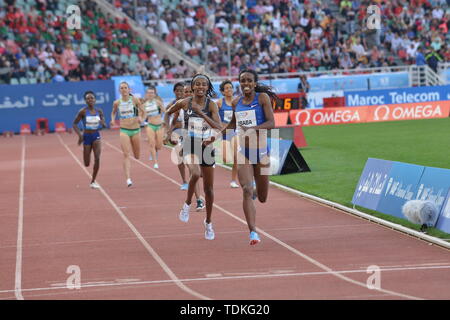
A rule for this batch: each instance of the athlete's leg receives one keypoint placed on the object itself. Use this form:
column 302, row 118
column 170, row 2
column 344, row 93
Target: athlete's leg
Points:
column 233, row 150
column 87, row 154
column 125, row 144
column 151, row 141
column 97, row 148
column 159, row 138
column 208, row 188
column 245, row 175
column 262, row 181
column 194, row 170
column 136, row 145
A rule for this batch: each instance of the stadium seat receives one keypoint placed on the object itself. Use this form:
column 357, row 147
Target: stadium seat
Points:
column 134, row 57
column 143, row 56
column 124, row 58
column 14, row 81
column 113, row 57
column 23, row 80
column 84, row 49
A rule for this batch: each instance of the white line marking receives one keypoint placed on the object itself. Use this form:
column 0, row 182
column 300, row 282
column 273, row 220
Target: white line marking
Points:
column 149, row 248
column 18, row 280
column 285, row 245
column 218, row 276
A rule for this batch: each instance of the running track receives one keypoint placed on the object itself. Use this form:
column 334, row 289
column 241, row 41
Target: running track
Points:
column 129, row 244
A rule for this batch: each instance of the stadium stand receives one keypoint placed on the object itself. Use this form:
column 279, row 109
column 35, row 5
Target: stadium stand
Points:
column 277, row 36
column 36, row 46
column 270, row 36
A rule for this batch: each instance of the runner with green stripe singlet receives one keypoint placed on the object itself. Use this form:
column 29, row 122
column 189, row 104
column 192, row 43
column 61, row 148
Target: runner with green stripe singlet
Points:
column 131, row 115
column 154, row 108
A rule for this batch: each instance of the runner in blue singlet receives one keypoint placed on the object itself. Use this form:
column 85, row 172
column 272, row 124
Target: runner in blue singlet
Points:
column 229, row 141
column 93, row 120
column 253, row 116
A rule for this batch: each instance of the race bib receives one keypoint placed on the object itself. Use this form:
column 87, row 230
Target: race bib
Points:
column 92, row 122
column 126, row 110
column 227, row 115
column 198, row 128
column 151, row 108
column 246, row 118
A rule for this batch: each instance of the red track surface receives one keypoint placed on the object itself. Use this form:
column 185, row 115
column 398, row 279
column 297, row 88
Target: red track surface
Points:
column 129, row 243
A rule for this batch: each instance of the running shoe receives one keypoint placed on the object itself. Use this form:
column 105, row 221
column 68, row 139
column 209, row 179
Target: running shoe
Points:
column 233, row 184
column 184, row 186
column 155, row 166
column 209, row 231
column 200, row 205
column 129, row 182
column 184, row 213
column 94, row 185
column 150, row 158
column 254, row 238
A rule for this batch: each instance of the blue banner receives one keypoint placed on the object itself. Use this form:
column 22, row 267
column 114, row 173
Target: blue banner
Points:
column 317, row 84
column 443, row 222
column 360, row 82
column 396, row 96
column 134, row 82
column 385, row 186
column 434, row 186
column 401, row 187
column 447, row 75
column 58, row 102
column 371, row 183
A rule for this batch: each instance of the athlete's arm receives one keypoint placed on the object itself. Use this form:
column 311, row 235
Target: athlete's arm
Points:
column 265, row 102
column 102, row 118
column 141, row 111
column 173, row 109
column 77, row 119
column 113, row 113
column 219, row 103
column 232, row 123
column 214, row 122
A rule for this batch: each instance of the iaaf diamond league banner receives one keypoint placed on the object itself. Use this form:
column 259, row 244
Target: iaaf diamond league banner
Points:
column 371, row 183
column 443, row 222
column 385, row 186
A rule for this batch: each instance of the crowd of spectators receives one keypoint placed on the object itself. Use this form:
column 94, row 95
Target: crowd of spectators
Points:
column 36, row 46
column 270, row 36
column 276, row 36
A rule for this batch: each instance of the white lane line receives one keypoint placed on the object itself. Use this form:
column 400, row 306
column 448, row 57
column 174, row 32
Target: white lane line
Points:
column 18, row 279
column 219, row 276
column 285, row 245
column 149, row 248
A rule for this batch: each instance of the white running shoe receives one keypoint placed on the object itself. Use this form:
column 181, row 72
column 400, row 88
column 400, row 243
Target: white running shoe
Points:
column 129, row 182
column 184, row 213
column 233, row 184
column 209, row 231
column 156, row 166
column 94, row 185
